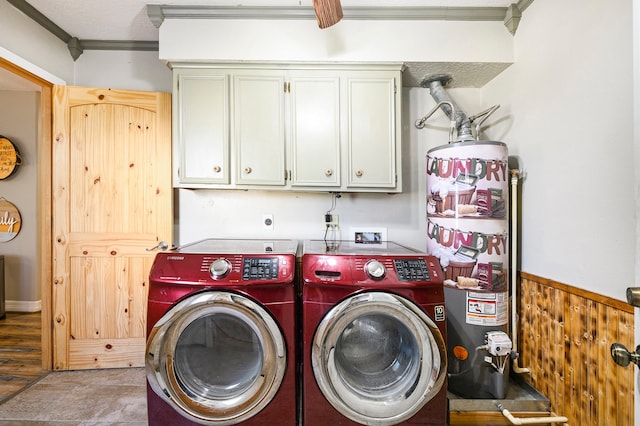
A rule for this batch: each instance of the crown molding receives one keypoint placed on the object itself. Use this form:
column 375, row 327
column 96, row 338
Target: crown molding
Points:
column 158, row 13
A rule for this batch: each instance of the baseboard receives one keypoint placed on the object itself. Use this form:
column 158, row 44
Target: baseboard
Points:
column 23, row 306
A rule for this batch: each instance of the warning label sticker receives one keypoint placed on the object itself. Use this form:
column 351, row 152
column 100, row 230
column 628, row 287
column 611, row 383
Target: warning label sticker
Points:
column 490, row 309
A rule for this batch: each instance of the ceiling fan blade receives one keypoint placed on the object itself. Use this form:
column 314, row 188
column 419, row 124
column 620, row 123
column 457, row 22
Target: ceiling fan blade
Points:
column 328, row 12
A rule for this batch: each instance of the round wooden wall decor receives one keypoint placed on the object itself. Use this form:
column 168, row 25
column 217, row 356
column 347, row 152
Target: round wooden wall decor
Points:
column 9, row 158
column 10, row 221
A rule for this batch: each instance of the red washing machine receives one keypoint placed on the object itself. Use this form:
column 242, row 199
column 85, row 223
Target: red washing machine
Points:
column 221, row 334
column 373, row 337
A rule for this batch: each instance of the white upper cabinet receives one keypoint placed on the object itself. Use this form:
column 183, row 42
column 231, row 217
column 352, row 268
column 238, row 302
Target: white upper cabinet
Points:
column 258, row 135
column 303, row 128
column 201, row 127
column 315, row 130
column 372, row 133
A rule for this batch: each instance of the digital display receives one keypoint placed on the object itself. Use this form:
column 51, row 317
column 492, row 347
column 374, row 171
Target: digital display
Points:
column 260, row 268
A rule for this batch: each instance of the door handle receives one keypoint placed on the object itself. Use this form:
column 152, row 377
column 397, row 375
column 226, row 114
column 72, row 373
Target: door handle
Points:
column 623, row 357
column 633, row 296
column 160, row 246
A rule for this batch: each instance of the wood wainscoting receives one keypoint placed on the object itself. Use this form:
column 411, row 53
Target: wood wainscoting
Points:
column 564, row 338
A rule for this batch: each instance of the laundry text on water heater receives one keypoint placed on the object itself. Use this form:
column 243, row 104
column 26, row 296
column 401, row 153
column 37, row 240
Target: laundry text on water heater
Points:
column 491, row 170
column 454, row 238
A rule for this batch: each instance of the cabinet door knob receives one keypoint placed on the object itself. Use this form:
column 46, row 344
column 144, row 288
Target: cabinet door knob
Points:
column 328, row 172
column 217, row 169
column 247, row 170
column 359, row 172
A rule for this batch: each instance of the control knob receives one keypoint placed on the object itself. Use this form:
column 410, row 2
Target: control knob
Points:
column 375, row 269
column 219, row 268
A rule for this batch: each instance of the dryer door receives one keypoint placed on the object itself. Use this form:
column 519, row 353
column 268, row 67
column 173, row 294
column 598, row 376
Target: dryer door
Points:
column 216, row 357
column 378, row 358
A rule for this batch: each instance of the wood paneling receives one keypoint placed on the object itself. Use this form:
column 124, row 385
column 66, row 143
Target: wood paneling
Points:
column 564, row 338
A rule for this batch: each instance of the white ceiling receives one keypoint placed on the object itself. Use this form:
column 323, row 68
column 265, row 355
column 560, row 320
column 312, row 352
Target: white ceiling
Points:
column 128, row 20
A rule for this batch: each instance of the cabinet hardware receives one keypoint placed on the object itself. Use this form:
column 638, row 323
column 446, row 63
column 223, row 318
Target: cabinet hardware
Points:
column 217, row 169
column 359, row 173
column 247, row 170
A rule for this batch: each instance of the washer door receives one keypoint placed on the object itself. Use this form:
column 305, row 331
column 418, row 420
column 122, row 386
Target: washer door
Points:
column 216, row 357
column 378, row 358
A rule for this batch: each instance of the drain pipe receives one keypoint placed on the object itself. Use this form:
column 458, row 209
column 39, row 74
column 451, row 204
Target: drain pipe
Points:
column 515, row 176
column 436, row 85
column 530, row 420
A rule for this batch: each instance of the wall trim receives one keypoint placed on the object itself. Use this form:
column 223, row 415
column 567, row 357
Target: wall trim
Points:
column 23, row 306
column 605, row 300
column 157, row 13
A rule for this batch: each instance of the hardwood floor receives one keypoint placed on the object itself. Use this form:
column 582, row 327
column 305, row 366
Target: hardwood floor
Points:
column 20, row 352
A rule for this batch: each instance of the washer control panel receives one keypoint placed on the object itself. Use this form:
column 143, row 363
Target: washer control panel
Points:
column 381, row 270
column 260, row 268
column 412, row 269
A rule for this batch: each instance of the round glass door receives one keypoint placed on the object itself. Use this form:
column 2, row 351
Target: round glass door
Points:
column 216, row 357
column 378, row 358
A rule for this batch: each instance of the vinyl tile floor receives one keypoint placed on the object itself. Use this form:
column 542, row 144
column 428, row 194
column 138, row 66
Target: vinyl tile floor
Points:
column 87, row 397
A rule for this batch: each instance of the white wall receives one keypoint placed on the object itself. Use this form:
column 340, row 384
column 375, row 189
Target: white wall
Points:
column 567, row 112
column 128, row 70
column 32, row 45
column 350, row 40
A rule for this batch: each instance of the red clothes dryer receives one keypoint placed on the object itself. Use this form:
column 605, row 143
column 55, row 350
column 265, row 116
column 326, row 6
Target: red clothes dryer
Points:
column 373, row 336
column 221, row 334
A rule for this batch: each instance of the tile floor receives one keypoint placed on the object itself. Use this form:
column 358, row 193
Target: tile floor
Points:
column 88, row 397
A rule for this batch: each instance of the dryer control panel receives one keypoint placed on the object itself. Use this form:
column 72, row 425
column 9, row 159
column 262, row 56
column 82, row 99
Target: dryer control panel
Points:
column 412, row 269
column 260, row 268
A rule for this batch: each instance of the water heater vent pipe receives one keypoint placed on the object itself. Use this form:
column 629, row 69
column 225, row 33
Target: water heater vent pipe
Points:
column 452, row 128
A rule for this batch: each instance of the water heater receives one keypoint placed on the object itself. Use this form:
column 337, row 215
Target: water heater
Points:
column 467, row 229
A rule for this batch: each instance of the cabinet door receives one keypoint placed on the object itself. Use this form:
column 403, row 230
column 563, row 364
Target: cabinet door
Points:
column 372, row 138
column 259, row 129
column 315, row 131
column 201, row 127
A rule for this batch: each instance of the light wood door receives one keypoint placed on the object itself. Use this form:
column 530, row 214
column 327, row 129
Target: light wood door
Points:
column 112, row 200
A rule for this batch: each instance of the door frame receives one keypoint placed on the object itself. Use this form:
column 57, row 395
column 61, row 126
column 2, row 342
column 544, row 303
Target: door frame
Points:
column 43, row 203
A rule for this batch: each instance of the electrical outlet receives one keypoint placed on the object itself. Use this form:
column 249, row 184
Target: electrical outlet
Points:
column 267, row 222
column 331, row 222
